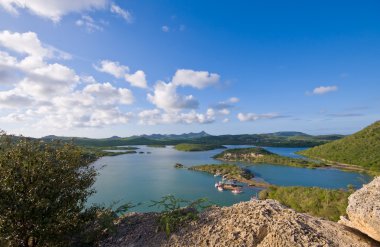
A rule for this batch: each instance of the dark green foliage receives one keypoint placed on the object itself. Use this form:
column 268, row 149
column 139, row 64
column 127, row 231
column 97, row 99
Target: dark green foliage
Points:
column 44, row 188
column 259, row 155
column 361, row 148
column 282, row 139
column 188, row 147
column 325, row 203
column 232, row 171
column 176, row 212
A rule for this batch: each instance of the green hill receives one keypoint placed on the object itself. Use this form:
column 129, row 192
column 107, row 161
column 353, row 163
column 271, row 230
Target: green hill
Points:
column 361, row 149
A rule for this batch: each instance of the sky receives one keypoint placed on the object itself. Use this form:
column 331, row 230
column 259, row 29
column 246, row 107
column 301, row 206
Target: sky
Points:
column 99, row 68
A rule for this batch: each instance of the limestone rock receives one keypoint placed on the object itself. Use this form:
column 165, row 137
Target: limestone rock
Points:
column 254, row 223
column 363, row 210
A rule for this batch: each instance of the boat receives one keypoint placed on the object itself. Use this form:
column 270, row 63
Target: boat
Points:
column 220, row 188
column 236, row 191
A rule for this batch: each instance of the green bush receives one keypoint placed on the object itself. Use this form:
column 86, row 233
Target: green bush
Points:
column 44, row 188
column 176, row 212
column 325, row 203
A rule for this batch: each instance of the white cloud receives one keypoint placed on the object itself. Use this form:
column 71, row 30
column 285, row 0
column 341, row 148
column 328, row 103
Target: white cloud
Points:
column 112, row 68
column 89, row 24
column 196, row 79
column 107, row 94
column 165, row 97
column 49, row 80
column 50, row 95
column 25, row 43
column 165, row 29
column 138, row 79
column 12, row 99
column 324, row 89
column 156, row 116
column 224, row 111
column 52, row 9
column 254, row 117
column 122, row 13
column 226, row 120
column 233, row 100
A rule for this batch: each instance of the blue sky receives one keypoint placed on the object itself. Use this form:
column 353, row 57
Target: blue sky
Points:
column 99, row 68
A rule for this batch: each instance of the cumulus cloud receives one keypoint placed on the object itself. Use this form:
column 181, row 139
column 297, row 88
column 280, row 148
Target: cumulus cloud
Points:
column 324, row 89
column 50, row 94
column 137, row 79
column 107, row 94
column 254, row 117
column 157, row 116
column 165, row 29
column 112, row 68
column 196, row 79
column 126, row 15
column 166, row 97
column 52, row 9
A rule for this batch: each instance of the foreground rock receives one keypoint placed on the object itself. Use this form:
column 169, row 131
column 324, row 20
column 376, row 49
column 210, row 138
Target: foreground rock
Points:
column 254, row 223
column 364, row 210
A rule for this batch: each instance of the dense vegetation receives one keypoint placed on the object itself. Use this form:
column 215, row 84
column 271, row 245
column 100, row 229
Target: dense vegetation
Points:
column 361, row 148
column 231, row 171
column 44, row 188
column 328, row 204
column 188, row 147
column 279, row 139
column 259, row 155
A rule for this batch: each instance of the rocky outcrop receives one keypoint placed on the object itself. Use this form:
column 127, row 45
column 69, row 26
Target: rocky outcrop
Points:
column 363, row 211
column 254, row 223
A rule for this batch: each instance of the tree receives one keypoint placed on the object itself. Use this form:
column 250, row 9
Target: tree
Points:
column 43, row 191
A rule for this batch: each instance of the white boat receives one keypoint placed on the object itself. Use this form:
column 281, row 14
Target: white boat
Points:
column 220, row 188
column 236, row 191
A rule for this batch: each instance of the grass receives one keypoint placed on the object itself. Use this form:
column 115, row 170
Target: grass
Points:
column 325, row 203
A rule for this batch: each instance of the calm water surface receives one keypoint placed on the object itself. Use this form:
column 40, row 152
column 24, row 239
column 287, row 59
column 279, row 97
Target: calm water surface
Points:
column 139, row 178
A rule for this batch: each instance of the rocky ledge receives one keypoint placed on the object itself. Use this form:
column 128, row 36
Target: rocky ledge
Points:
column 363, row 211
column 253, row 223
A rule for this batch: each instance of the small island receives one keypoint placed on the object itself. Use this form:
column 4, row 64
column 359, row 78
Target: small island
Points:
column 156, row 145
column 190, row 147
column 178, row 165
column 230, row 172
column 109, row 151
column 259, row 155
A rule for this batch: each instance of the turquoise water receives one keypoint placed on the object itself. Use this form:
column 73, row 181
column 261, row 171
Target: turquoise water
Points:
column 140, row 178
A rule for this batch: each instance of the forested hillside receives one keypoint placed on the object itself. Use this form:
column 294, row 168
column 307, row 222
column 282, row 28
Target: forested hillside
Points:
column 361, row 148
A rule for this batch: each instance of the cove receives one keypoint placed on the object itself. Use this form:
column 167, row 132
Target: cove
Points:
column 142, row 177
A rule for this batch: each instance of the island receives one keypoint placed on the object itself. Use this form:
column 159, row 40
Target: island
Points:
column 156, row 145
column 190, row 147
column 258, row 155
column 178, row 165
column 230, row 172
column 109, row 151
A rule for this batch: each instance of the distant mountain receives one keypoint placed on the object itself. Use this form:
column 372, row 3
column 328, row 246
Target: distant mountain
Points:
column 361, row 148
column 278, row 139
column 288, row 133
column 190, row 135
